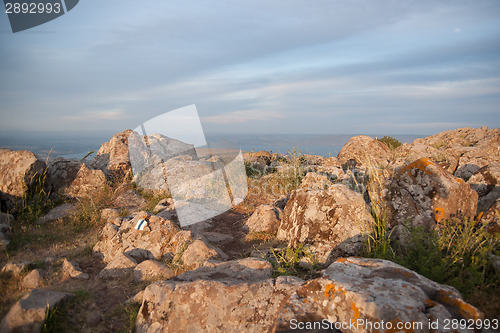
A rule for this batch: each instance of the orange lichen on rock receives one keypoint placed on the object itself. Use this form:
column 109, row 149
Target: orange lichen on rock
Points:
column 420, row 164
column 438, row 214
column 355, row 311
column 466, row 310
column 331, row 289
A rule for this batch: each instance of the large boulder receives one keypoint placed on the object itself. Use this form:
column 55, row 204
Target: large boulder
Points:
column 351, row 294
column 486, row 182
column 29, row 313
column 150, row 243
column 19, row 171
column 60, row 174
column 365, row 151
column 222, row 303
column 354, row 294
column 422, row 193
column 113, row 157
column 334, row 218
column 471, row 161
column 266, row 218
column 87, row 183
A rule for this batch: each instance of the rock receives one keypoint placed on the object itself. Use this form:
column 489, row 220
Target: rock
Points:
column 492, row 218
column 374, row 291
column 221, row 304
column 150, row 270
column 262, row 157
column 71, row 269
column 150, row 243
column 326, row 219
column 15, row 268
column 32, row 280
column 243, row 270
column 424, row 194
column 86, row 183
column 110, row 215
column 266, row 218
column 486, row 182
column 28, row 314
column 130, row 200
column 163, row 204
column 4, row 235
column 93, row 319
column 331, row 162
column 148, row 156
column 495, row 262
column 6, row 218
column 57, row 213
column 365, row 151
column 19, row 171
column 281, row 202
column 198, row 252
column 217, row 237
column 313, row 159
column 112, row 158
column 315, row 181
column 473, row 160
column 120, row 266
column 60, row 174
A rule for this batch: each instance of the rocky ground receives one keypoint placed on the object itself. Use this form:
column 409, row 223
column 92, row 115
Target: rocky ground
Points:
column 315, row 238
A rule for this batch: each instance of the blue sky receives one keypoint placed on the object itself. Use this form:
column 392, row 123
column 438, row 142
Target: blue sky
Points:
column 316, row 66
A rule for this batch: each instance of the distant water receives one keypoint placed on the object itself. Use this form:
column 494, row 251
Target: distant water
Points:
column 78, row 146
column 313, row 144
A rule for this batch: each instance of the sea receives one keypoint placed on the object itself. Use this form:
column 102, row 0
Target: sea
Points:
column 75, row 146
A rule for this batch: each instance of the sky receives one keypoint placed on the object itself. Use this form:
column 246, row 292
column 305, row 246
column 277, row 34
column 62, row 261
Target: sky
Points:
column 252, row 66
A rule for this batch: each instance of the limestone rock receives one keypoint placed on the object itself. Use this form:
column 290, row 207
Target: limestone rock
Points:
column 365, row 150
column 60, row 174
column 86, row 183
column 492, row 218
column 15, row 268
column 198, row 252
column 423, row 194
column 72, row 270
column 57, row 213
column 375, row 290
column 266, row 218
column 243, row 270
column 5, row 220
column 221, row 304
column 110, row 215
column 130, row 200
column 120, row 266
column 32, row 280
column 150, row 243
column 326, row 219
column 315, row 181
column 19, row 170
column 28, row 314
column 262, row 157
column 473, row 160
column 150, row 269
column 113, row 157
column 486, row 182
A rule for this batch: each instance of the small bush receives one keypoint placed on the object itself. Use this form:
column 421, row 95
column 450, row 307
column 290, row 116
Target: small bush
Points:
column 286, row 262
column 390, row 142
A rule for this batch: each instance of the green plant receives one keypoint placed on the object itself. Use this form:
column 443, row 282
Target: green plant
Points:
column 53, row 322
column 390, row 142
column 287, row 261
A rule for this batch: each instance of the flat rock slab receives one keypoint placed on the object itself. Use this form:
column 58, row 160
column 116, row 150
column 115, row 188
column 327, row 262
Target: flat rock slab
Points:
column 57, row 213
column 28, row 314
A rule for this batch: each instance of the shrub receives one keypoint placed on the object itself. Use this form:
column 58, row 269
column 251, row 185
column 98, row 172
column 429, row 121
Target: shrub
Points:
column 390, row 142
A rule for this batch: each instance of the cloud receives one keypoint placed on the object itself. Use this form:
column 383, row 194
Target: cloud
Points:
column 238, row 117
